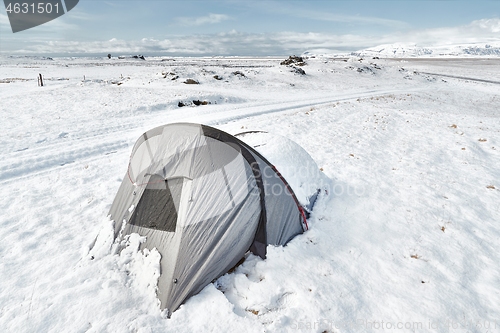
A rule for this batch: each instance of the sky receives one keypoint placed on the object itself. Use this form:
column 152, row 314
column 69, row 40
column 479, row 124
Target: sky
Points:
column 258, row 27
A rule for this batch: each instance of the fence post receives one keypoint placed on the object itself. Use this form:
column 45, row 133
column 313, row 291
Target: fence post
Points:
column 40, row 80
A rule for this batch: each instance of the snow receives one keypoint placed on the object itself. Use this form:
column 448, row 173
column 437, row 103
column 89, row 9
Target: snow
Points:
column 406, row 240
column 292, row 162
column 404, row 50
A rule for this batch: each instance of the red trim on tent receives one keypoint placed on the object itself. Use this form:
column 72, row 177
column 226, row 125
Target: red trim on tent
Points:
column 304, row 217
column 301, row 209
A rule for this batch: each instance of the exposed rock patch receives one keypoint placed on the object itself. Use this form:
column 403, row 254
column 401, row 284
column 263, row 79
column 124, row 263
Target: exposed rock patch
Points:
column 293, row 60
column 238, row 73
column 195, row 102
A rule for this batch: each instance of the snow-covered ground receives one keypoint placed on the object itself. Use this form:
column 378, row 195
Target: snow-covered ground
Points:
column 406, row 241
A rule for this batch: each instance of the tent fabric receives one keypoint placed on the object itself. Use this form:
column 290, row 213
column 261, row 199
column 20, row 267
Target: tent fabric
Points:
column 202, row 198
column 294, row 164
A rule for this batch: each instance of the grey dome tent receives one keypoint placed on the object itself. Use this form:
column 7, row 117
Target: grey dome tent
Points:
column 203, row 198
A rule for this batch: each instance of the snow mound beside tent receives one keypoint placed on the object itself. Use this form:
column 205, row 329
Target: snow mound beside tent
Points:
column 293, row 163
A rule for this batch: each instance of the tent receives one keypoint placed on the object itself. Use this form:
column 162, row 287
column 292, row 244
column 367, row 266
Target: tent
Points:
column 204, row 198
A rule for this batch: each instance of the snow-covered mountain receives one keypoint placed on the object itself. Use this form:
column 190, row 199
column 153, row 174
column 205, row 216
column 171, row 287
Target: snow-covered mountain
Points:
column 402, row 50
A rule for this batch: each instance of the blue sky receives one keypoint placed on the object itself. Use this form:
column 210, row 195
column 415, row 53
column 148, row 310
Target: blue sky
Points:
column 258, row 27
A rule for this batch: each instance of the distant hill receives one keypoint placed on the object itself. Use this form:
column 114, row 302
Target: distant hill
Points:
column 401, row 50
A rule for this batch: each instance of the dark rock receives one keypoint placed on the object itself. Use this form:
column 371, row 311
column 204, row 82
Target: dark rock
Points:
column 198, row 102
column 293, row 60
column 298, row 70
column 191, row 81
column 217, row 77
column 195, row 102
column 173, row 76
column 365, row 69
column 239, row 73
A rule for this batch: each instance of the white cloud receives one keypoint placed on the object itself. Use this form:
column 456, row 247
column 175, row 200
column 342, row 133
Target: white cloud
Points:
column 290, row 8
column 111, row 4
column 45, row 32
column 231, row 43
column 281, row 43
column 330, row 17
column 78, row 14
column 197, row 21
column 489, row 25
column 4, row 20
column 480, row 31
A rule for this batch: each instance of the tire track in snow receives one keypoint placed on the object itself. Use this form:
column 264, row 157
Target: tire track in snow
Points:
column 250, row 110
column 30, row 162
column 461, row 77
column 20, row 165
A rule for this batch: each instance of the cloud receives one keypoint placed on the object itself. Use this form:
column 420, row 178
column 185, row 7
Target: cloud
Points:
column 78, row 14
column 479, row 31
column 356, row 19
column 231, row 43
column 289, row 8
column 4, row 20
column 280, row 43
column 197, row 21
column 46, row 30
column 111, row 4
column 489, row 25
column 365, row 20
